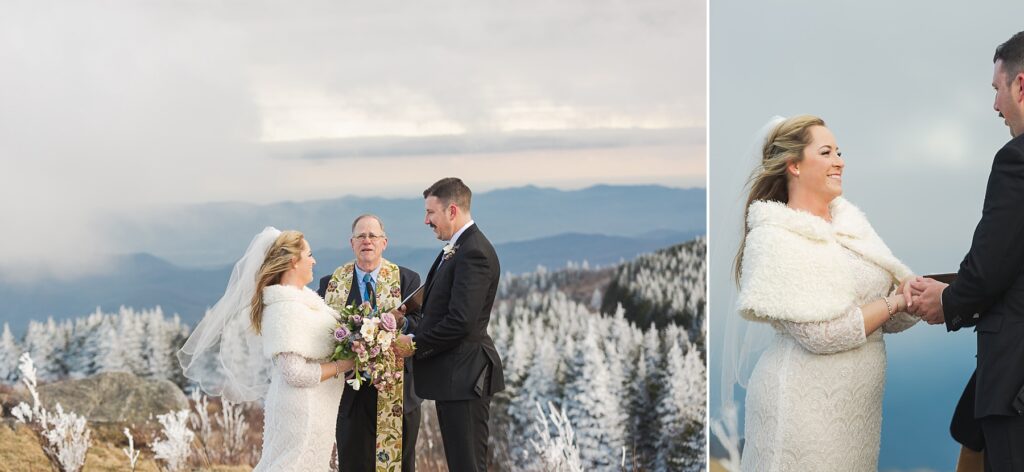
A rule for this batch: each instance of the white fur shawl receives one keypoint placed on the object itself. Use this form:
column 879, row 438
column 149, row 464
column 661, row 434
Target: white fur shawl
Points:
column 793, row 264
column 297, row 321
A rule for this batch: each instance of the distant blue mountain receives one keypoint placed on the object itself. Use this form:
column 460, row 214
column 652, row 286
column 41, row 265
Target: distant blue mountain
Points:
column 143, row 280
column 214, row 234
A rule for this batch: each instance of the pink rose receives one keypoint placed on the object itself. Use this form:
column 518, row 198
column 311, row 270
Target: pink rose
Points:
column 388, row 321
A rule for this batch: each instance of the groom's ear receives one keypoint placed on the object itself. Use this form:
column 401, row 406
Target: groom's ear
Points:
column 1018, row 86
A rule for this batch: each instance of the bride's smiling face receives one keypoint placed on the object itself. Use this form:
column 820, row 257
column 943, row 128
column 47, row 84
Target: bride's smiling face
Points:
column 820, row 172
column 304, row 266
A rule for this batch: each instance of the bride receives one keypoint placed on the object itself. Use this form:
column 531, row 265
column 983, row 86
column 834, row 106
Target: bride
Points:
column 268, row 337
column 812, row 268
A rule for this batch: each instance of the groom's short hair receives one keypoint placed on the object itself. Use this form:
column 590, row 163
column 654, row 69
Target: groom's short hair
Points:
column 449, row 190
column 1012, row 54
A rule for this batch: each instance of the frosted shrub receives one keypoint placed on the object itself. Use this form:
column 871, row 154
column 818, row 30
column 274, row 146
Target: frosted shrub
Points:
column 560, row 452
column 64, row 437
column 726, row 429
column 175, row 449
column 200, row 421
column 233, row 427
column 133, row 455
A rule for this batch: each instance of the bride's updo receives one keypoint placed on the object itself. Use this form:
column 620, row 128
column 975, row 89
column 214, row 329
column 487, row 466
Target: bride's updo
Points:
column 783, row 145
column 287, row 249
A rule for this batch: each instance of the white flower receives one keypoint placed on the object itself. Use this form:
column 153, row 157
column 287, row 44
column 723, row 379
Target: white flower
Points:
column 369, row 328
column 448, row 251
column 385, row 338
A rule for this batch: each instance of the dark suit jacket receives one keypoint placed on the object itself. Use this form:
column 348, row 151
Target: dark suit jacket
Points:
column 455, row 357
column 989, row 289
column 410, row 281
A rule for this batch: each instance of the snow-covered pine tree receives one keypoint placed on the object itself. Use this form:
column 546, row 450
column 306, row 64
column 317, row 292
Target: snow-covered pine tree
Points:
column 646, row 411
column 9, row 354
column 681, row 409
column 132, row 340
column 593, row 404
column 109, row 352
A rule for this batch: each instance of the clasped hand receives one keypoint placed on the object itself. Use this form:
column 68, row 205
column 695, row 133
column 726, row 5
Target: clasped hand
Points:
column 403, row 345
column 924, row 298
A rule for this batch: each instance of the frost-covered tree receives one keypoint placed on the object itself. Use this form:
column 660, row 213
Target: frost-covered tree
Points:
column 681, row 410
column 9, row 354
column 593, row 405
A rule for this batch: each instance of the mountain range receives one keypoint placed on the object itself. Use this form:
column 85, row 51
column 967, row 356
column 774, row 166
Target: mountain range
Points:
column 181, row 258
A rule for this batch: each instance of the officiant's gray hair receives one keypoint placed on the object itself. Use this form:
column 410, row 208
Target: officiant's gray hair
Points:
column 1012, row 54
column 368, row 215
column 450, row 189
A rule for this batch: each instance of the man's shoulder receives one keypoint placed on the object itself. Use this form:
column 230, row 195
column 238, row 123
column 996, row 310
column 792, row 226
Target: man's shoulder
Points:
column 1015, row 147
column 406, row 272
column 476, row 239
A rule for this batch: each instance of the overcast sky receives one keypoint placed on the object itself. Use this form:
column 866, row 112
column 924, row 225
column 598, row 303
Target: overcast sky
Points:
column 113, row 107
column 906, row 88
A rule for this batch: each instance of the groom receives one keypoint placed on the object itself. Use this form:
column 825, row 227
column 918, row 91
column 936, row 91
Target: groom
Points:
column 456, row 363
column 989, row 289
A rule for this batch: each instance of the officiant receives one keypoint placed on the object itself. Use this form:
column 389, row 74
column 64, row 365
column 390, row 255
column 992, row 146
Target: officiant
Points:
column 375, row 428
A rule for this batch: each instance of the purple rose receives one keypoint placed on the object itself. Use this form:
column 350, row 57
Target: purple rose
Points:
column 357, row 320
column 387, row 320
column 374, row 351
column 341, row 333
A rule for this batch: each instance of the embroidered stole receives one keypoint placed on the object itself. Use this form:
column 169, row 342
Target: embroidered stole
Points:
column 389, row 407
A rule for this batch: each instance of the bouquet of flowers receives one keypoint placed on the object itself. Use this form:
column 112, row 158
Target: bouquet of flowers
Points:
column 366, row 336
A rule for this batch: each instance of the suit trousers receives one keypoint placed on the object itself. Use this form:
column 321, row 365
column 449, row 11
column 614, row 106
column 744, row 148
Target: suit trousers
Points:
column 464, row 433
column 357, row 435
column 1004, row 443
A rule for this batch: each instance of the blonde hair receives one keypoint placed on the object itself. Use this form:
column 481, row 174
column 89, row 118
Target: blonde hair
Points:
column 287, row 249
column 785, row 144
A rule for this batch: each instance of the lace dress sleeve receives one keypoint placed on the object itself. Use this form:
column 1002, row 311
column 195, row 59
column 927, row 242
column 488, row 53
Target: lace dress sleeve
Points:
column 298, row 371
column 899, row 322
column 829, row 337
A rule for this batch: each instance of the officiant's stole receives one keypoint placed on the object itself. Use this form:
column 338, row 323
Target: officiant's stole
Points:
column 389, row 407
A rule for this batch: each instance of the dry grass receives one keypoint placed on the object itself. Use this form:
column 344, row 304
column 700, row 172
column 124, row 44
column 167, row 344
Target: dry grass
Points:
column 20, row 450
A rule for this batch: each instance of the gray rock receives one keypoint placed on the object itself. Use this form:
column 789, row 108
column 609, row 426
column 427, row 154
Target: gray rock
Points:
column 114, row 397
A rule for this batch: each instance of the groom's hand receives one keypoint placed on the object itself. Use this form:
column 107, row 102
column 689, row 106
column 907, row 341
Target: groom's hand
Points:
column 399, row 314
column 928, row 299
column 403, row 346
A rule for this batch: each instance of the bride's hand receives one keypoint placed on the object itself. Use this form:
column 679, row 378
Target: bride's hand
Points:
column 904, row 290
column 345, row 365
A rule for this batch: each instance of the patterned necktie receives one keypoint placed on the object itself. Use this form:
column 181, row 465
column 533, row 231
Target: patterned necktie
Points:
column 371, row 294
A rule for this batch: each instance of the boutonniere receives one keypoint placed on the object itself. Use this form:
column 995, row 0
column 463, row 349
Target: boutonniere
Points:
column 449, row 251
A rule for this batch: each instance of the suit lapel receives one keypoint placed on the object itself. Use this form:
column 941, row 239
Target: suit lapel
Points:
column 355, row 297
column 430, row 276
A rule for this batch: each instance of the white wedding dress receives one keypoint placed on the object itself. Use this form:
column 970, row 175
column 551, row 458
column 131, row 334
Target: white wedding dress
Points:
column 814, row 398
column 300, row 412
column 814, row 402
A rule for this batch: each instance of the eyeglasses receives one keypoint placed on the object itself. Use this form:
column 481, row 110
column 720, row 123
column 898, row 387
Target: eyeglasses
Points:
column 371, row 236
